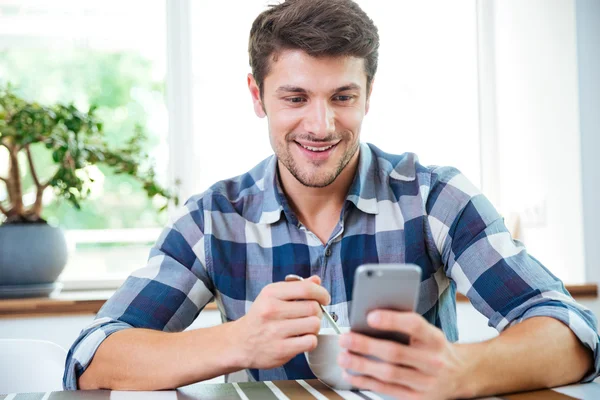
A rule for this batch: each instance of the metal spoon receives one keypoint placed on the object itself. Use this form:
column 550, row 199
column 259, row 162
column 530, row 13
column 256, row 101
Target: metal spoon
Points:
column 336, row 328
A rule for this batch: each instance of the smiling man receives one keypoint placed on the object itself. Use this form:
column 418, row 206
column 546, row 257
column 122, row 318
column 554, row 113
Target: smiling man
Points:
column 322, row 205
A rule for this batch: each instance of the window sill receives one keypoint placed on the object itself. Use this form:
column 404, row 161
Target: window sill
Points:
column 63, row 304
column 90, row 302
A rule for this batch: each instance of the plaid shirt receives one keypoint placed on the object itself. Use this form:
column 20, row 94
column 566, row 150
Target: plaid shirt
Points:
column 241, row 235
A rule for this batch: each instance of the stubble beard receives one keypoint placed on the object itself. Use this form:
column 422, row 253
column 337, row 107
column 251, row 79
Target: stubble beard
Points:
column 314, row 180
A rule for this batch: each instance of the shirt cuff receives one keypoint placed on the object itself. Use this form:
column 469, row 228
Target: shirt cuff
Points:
column 83, row 350
column 583, row 324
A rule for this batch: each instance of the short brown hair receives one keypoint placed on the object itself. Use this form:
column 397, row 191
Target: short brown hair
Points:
column 318, row 27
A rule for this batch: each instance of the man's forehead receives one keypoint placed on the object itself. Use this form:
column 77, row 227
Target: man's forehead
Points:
column 295, row 69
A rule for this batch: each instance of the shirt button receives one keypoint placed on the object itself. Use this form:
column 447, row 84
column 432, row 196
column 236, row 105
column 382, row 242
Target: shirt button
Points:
column 334, row 316
column 328, row 252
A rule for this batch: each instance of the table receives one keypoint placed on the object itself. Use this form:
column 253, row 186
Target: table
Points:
column 277, row 390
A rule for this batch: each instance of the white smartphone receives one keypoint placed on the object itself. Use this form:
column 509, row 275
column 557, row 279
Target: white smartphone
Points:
column 383, row 286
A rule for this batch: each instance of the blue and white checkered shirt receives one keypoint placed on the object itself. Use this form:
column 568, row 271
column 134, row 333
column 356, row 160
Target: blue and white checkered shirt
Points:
column 241, row 235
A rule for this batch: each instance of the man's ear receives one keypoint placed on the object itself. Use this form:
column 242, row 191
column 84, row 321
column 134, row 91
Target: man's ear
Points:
column 368, row 102
column 259, row 110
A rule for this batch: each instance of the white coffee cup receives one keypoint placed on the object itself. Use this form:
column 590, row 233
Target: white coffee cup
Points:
column 322, row 361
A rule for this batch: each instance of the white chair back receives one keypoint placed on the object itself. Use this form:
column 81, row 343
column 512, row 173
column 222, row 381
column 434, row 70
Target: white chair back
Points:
column 28, row 365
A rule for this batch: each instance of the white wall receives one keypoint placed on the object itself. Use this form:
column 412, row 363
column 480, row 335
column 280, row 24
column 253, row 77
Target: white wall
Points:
column 60, row 330
column 588, row 47
column 538, row 129
column 64, row 330
column 472, row 326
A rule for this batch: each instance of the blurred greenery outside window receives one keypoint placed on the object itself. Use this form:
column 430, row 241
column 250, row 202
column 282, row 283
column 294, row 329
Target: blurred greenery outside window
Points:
column 102, row 53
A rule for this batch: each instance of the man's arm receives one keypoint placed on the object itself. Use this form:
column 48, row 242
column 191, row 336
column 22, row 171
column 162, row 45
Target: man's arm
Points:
column 276, row 329
column 503, row 281
column 137, row 339
column 538, row 353
column 143, row 359
column 546, row 338
column 524, row 356
column 166, row 295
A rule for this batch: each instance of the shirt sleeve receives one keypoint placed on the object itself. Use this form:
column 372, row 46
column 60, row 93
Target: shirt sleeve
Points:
column 493, row 270
column 166, row 295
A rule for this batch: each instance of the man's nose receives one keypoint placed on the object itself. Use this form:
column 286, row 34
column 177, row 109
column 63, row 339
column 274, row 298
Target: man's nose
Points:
column 320, row 119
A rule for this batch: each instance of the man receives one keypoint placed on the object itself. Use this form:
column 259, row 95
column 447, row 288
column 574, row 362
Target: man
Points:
column 320, row 207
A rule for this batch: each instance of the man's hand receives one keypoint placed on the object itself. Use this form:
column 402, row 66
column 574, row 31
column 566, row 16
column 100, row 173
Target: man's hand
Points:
column 429, row 368
column 277, row 327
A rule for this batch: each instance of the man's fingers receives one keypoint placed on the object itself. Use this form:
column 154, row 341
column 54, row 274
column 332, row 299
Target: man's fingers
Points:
column 386, row 372
column 298, row 326
column 300, row 344
column 375, row 385
column 396, row 353
column 410, row 323
column 299, row 309
column 301, row 290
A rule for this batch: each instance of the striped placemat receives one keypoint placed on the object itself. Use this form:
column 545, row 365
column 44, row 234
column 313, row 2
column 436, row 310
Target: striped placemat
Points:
column 314, row 389
column 276, row 390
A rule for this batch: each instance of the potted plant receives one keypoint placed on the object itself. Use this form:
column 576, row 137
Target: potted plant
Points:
column 31, row 251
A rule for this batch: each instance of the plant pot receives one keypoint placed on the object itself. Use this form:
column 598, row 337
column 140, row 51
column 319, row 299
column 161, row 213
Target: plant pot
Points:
column 32, row 256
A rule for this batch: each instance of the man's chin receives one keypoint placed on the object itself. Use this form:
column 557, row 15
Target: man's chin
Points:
column 312, row 174
column 312, row 181
column 317, row 185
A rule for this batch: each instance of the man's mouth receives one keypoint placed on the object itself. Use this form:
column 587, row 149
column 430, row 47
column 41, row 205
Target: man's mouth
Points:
column 317, row 147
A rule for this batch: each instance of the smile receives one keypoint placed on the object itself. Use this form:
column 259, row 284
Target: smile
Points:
column 318, row 149
column 317, row 153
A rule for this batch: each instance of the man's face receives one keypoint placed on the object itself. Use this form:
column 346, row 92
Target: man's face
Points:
column 315, row 108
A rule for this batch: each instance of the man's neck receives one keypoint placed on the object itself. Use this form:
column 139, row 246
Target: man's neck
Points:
column 318, row 204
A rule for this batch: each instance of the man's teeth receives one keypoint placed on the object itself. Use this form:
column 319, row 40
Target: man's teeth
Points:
column 317, row 148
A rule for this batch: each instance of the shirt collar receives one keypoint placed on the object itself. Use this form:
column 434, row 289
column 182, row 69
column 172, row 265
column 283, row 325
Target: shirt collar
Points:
column 375, row 171
column 363, row 193
column 272, row 194
column 373, row 166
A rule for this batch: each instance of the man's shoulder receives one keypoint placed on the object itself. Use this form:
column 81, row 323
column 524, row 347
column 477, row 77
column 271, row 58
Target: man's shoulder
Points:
column 399, row 167
column 407, row 167
column 405, row 176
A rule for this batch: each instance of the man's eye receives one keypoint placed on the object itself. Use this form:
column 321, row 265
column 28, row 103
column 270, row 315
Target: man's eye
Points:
column 296, row 99
column 343, row 98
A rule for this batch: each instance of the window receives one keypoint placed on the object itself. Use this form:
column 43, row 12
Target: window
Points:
column 90, row 53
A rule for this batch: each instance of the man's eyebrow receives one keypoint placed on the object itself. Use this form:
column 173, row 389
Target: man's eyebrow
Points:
column 350, row 86
column 291, row 89
column 297, row 89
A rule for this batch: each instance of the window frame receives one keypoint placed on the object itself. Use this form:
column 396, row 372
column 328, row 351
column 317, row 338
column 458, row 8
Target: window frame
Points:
column 180, row 96
column 179, row 101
